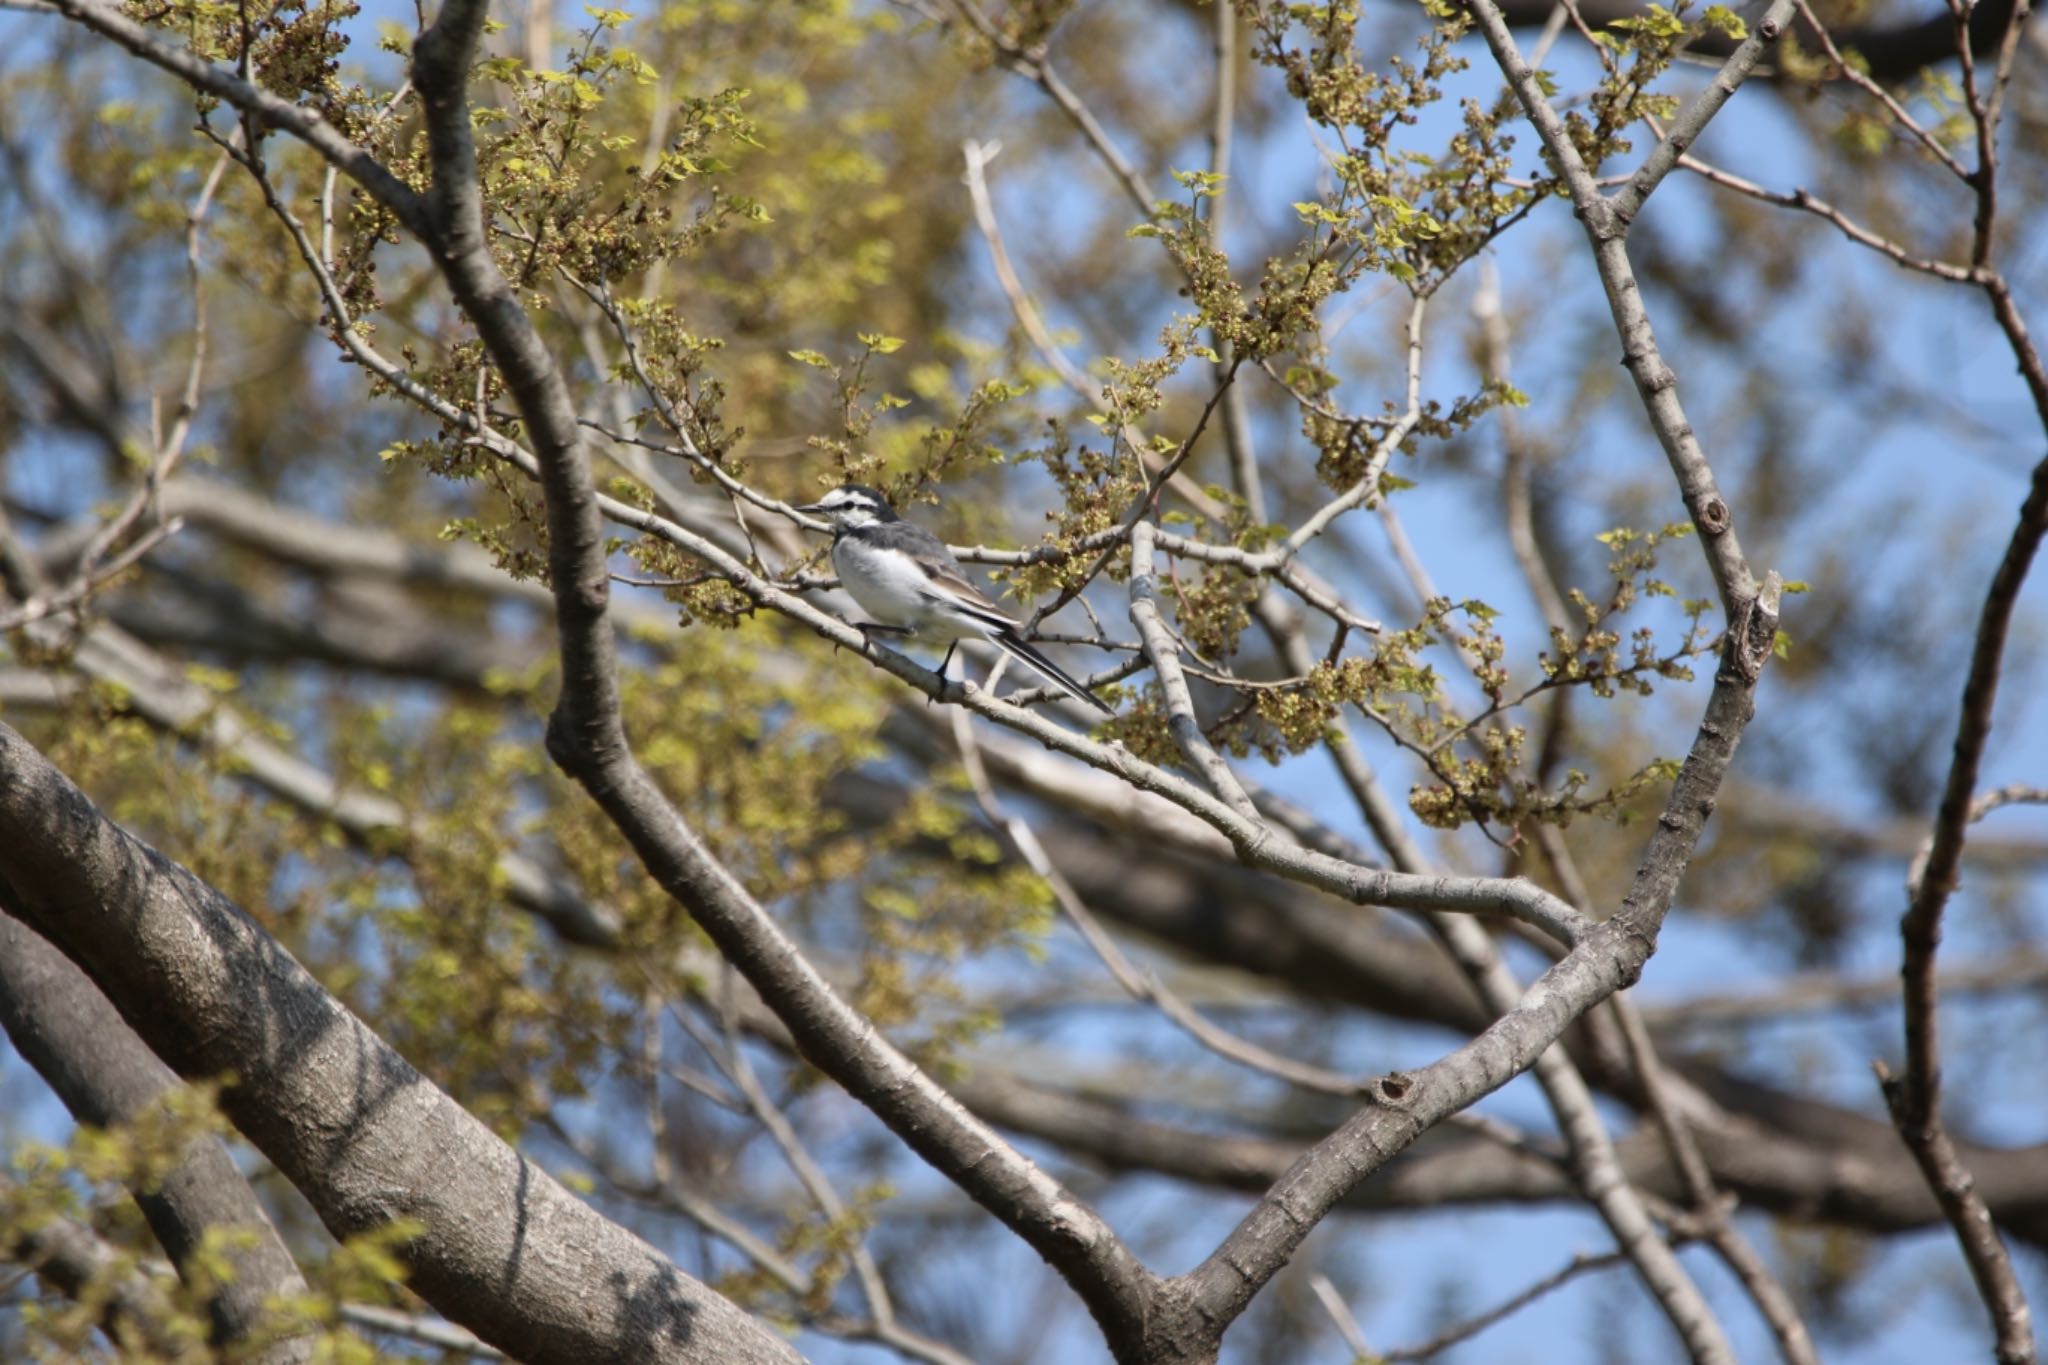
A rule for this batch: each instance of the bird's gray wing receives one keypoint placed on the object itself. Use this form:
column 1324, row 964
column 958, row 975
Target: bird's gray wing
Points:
column 949, row 581
column 953, row 585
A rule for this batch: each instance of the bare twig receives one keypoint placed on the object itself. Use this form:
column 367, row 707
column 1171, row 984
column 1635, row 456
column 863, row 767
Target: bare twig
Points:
column 1578, row 1265
column 1180, row 707
column 1692, row 120
column 1805, row 202
column 732, row 1060
column 93, row 571
column 1606, row 230
column 1853, row 73
column 1812, row 992
column 977, row 156
column 83, row 586
column 677, row 1197
column 1516, row 501
column 1140, row 984
column 1367, row 485
column 1708, row 1204
column 171, row 448
column 1031, row 64
column 1340, row 1315
column 1915, row 1097
column 443, row 1336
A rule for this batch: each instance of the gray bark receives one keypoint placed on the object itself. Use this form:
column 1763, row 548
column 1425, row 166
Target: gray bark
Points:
column 507, row 1252
column 64, row 1028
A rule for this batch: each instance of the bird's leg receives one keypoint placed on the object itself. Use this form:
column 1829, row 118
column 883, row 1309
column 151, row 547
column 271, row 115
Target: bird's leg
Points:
column 942, row 670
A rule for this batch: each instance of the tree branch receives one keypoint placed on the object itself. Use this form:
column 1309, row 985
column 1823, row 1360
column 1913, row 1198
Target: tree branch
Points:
column 506, row 1251
column 1164, row 656
column 305, row 124
column 1915, row 1097
column 587, row 739
column 1891, row 52
column 1606, row 230
column 105, row 1075
column 69, row 1256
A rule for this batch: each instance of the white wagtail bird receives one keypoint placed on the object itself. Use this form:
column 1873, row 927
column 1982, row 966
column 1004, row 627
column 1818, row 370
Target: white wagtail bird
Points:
column 906, row 578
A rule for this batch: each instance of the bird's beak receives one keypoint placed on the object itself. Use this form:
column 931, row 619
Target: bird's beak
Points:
column 812, row 509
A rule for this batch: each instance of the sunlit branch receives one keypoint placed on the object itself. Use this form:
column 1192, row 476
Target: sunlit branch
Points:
column 1142, row 985
column 1164, row 655
column 1805, row 202
column 304, row 124
column 1606, row 231
column 1707, row 1203
column 426, row 1331
column 1367, row 485
column 732, row 1060
column 1580, row 1264
column 1685, row 130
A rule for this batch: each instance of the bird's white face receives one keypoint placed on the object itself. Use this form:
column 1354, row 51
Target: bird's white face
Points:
column 849, row 507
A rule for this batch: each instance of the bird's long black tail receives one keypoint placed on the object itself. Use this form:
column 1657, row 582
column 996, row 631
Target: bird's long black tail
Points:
column 1010, row 643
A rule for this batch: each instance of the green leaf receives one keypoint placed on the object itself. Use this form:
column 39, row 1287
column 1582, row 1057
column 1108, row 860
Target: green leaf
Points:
column 217, row 680
column 1655, row 22
column 811, row 358
column 894, row 902
column 1727, row 21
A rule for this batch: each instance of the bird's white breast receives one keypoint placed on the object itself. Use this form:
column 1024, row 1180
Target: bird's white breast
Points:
column 894, row 591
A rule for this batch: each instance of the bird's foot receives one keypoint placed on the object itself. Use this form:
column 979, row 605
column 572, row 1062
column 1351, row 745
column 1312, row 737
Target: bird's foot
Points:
column 868, row 630
column 940, row 671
